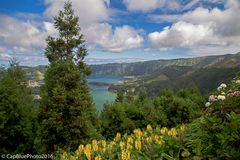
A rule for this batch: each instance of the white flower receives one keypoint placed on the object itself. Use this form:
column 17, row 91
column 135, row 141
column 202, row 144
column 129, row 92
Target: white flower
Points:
column 219, row 88
column 221, row 97
column 223, row 85
column 223, row 93
column 238, row 81
column 207, row 104
column 212, row 98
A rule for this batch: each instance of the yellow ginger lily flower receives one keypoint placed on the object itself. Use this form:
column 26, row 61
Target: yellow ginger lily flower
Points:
column 104, row 144
column 138, row 145
column 98, row 157
column 87, row 151
column 95, row 145
column 158, row 139
column 118, row 137
column 64, row 156
column 164, row 130
column 122, row 145
column 126, row 155
column 138, row 133
column 130, row 140
column 149, row 128
column 80, row 150
column 129, row 143
column 172, row 132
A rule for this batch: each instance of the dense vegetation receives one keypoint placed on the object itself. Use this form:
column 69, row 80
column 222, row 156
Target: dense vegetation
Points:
column 167, row 109
column 214, row 135
column 18, row 114
column 63, row 121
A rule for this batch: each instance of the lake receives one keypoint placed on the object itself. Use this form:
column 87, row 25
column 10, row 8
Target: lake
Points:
column 101, row 94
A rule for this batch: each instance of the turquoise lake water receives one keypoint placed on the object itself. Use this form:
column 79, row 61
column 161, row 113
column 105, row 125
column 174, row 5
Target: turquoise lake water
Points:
column 101, row 94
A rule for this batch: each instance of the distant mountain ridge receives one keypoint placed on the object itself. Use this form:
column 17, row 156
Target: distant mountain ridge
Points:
column 205, row 72
column 148, row 67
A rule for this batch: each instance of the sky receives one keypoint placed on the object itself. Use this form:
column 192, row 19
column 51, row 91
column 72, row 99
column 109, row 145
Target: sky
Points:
column 123, row 30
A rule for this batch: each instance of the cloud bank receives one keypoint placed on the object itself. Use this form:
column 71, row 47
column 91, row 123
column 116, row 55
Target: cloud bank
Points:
column 203, row 31
column 97, row 32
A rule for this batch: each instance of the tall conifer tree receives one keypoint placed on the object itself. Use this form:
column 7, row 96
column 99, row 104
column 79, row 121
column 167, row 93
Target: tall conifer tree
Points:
column 67, row 115
column 17, row 112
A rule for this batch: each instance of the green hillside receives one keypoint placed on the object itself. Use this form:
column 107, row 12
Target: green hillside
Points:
column 205, row 72
column 149, row 67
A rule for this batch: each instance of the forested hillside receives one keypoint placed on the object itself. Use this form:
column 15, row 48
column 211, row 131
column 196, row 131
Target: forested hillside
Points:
column 150, row 67
column 205, row 72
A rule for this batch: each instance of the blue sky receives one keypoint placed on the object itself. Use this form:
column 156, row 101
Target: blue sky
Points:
column 123, row 30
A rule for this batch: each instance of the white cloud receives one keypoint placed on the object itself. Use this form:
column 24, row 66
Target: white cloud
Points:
column 148, row 5
column 88, row 11
column 24, row 36
column 50, row 29
column 23, row 40
column 20, row 36
column 181, row 34
column 118, row 40
column 93, row 15
column 224, row 22
column 201, row 30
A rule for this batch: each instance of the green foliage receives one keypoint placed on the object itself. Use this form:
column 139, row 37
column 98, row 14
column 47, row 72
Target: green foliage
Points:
column 167, row 109
column 211, row 138
column 17, row 113
column 67, row 116
column 216, row 134
column 119, row 97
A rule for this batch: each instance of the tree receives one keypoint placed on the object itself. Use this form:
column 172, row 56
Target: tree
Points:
column 120, row 97
column 17, row 113
column 67, row 116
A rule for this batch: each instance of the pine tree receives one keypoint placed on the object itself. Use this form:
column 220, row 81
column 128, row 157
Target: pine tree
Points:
column 17, row 113
column 67, row 116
